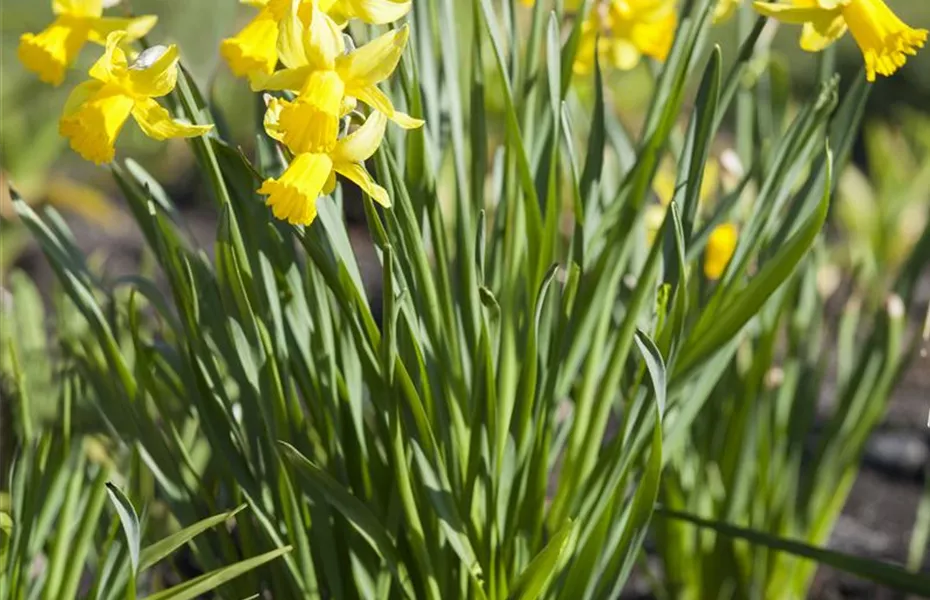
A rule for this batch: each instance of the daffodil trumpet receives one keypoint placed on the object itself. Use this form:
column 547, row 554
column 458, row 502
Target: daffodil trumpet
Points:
column 50, row 52
column 97, row 109
column 885, row 40
column 317, row 159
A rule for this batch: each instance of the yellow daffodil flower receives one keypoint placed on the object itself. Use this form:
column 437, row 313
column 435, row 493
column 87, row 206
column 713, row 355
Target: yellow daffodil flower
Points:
column 318, row 158
column 884, row 39
column 720, row 247
column 275, row 32
column 626, row 30
column 97, row 109
column 360, row 71
column 49, row 53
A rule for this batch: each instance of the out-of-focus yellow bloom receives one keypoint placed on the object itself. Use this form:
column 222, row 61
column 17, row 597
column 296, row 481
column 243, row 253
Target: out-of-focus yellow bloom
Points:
column 664, row 187
column 720, row 247
column 724, row 9
column 664, row 183
column 97, row 109
column 884, row 39
column 293, row 196
column 360, row 71
column 275, row 32
column 49, row 53
column 626, row 30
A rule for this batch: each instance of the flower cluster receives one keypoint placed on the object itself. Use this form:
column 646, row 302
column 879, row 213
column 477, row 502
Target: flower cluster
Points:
column 122, row 83
column 321, row 127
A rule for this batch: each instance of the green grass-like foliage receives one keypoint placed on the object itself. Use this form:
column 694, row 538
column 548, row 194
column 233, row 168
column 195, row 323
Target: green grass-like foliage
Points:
column 499, row 426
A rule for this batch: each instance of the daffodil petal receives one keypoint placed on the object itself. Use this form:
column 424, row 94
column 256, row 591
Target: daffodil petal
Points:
column 376, row 12
column 79, row 95
column 290, row 42
column 360, row 177
column 361, row 144
column 78, row 8
column 323, row 44
column 292, row 197
column 375, row 98
column 272, row 120
column 285, row 79
column 790, row 13
column 375, row 61
column 135, row 28
column 156, row 123
column 255, row 48
column 113, row 64
column 92, row 126
column 50, row 52
column 818, row 34
column 720, row 247
column 154, row 73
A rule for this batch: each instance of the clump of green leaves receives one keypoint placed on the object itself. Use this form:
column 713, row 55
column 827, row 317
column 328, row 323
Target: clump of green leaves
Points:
column 501, row 430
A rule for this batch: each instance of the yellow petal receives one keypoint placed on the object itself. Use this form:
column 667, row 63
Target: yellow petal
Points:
column 255, row 48
column 156, row 123
column 113, row 64
column 285, row 79
column 292, row 197
column 358, row 175
column 361, row 144
column 323, row 42
column 79, row 95
column 653, row 36
column 291, row 32
column 375, row 12
column 719, row 251
column 375, row 61
column 78, row 8
column 49, row 53
column 724, row 9
column 884, row 39
column 93, row 126
column 311, row 123
column 154, row 73
column 272, row 120
column 135, row 28
column 375, row 98
column 795, row 14
column 818, row 34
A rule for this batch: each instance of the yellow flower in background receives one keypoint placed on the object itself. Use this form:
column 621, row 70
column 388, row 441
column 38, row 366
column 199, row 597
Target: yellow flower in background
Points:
column 664, row 188
column 360, row 71
column 97, row 109
column 724, row 9
column 292, row 197
column 884, row 39
column 276, row 31
column 626, row 30
column 720, row 247
column 49, row 53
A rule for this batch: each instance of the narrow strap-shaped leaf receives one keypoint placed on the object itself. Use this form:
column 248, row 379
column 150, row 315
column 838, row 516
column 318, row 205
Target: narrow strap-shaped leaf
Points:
column 884, row 573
